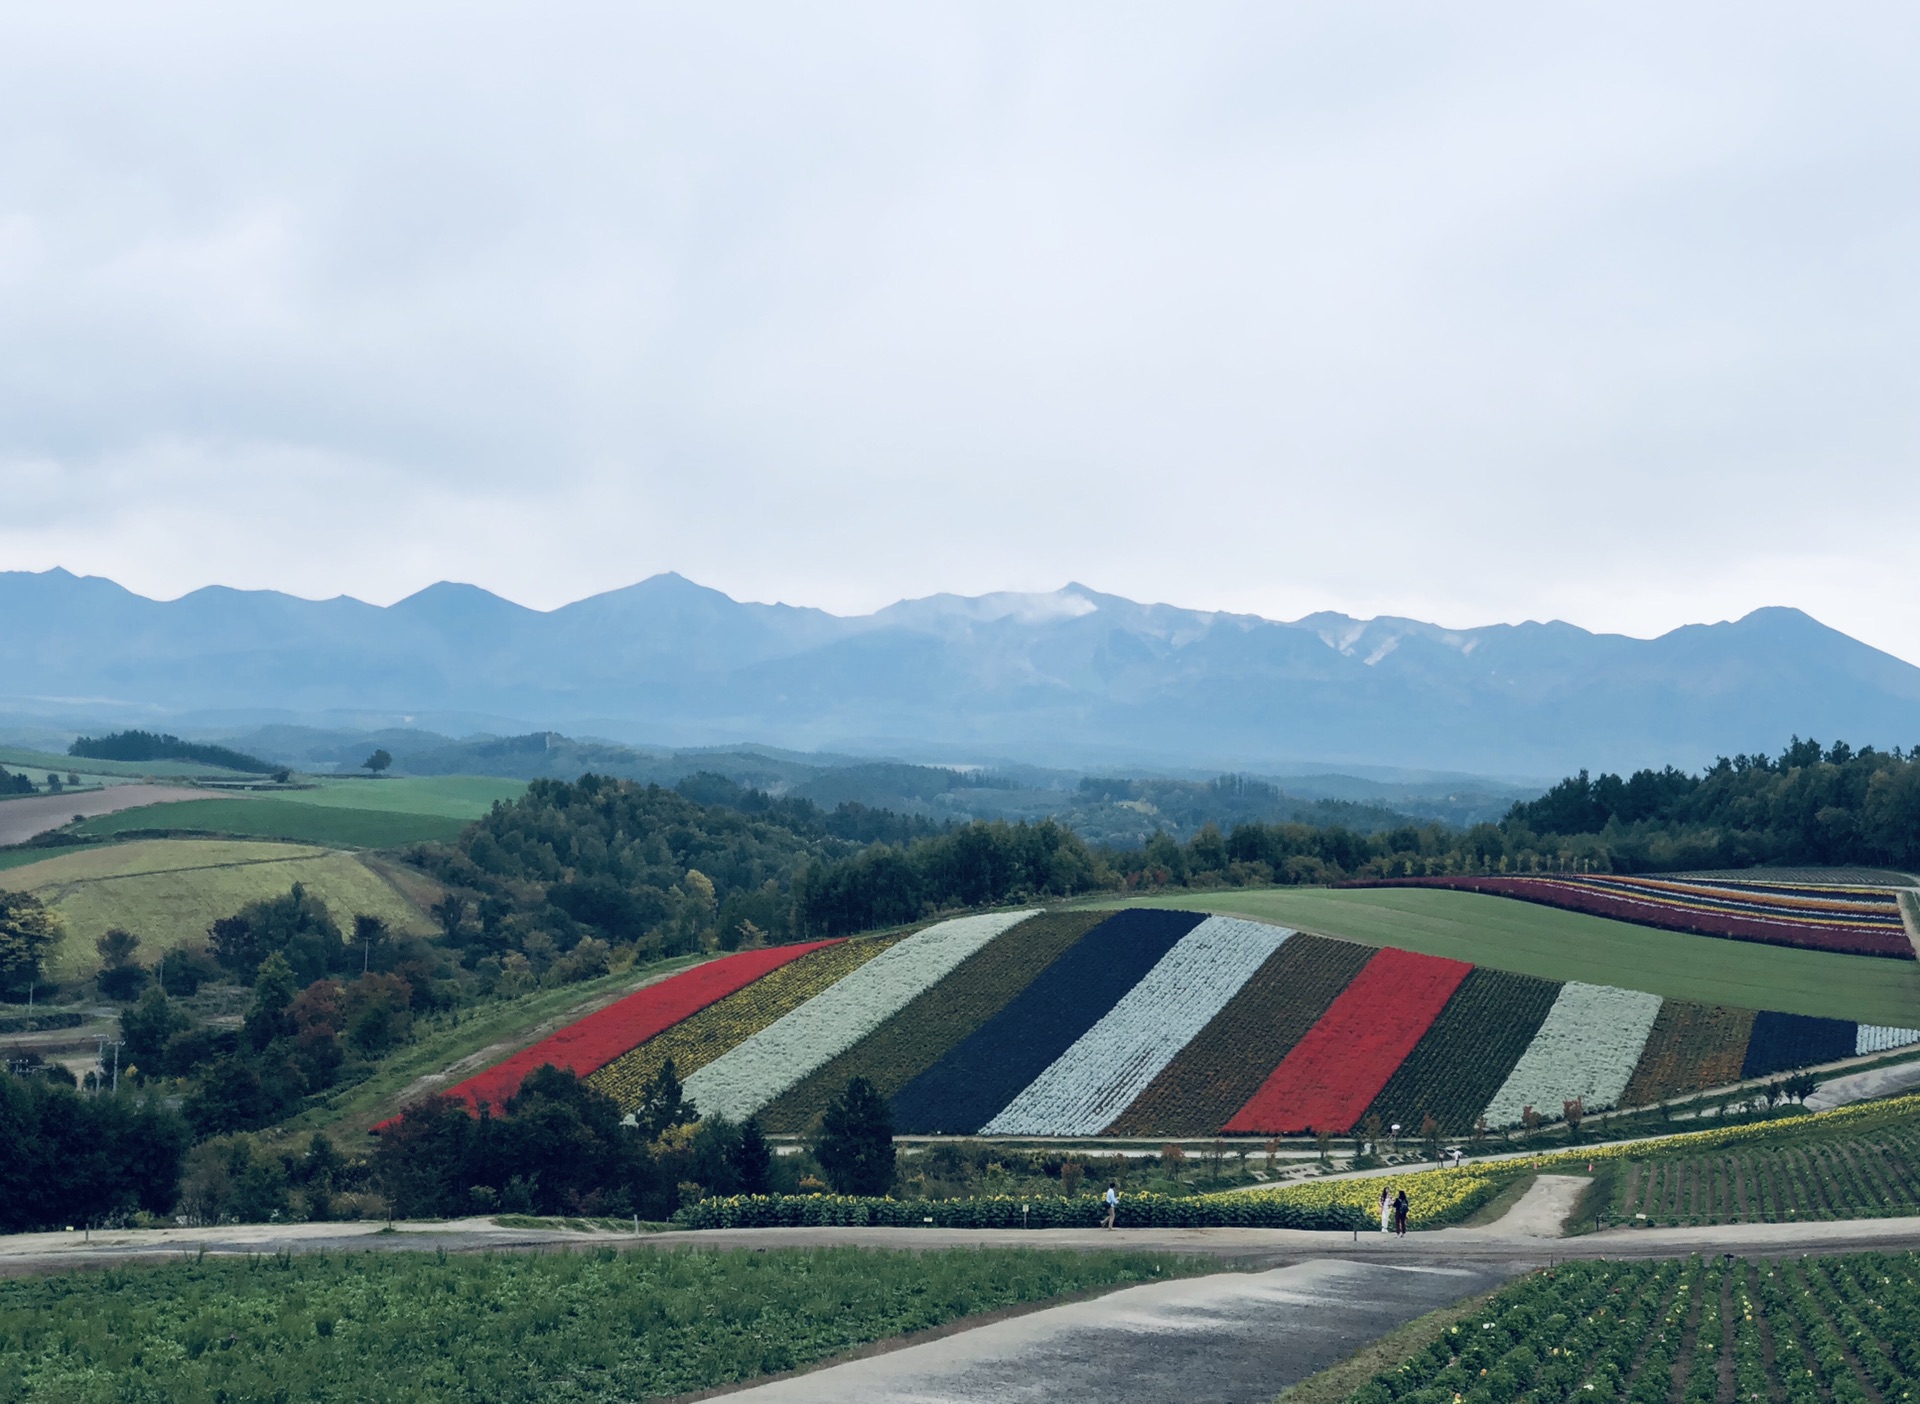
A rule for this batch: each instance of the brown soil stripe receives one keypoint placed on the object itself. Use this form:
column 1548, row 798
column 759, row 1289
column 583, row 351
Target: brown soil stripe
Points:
column 704, row 1035
column 1454, row 1071
column 927, row 1029
column 1213, row 1076
column 1692, row 1046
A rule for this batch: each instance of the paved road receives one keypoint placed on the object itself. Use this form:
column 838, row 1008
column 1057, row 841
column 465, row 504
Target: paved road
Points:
column 1211, row 1340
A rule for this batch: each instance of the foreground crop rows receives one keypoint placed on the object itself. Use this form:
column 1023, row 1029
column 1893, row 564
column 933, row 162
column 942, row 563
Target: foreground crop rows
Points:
column 1841, row 1330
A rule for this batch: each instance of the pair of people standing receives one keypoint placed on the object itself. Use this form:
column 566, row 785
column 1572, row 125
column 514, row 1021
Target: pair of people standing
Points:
column 1393, row 1212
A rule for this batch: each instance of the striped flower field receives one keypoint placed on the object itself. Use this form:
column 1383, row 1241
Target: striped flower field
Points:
column 1154, row 1023
column 1848, row 920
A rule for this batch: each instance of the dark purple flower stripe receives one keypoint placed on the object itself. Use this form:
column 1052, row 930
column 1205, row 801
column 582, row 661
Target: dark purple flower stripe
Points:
column 1783, row 1041
column 988, row 1068
column 1571, row 896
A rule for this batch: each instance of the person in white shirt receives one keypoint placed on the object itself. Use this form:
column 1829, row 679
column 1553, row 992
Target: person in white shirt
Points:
column 1113, row 1203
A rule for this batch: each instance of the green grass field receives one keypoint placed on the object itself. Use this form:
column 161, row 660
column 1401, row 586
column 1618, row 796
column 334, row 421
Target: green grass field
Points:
column 37, row 763
column 1556, row 945
column 590, row 1325
column 463, row 797
column 169, row 891
column 280, row 818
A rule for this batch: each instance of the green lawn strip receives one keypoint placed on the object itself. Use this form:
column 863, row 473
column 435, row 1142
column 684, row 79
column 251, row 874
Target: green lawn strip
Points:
column 921, row 1034
column 1530, row 939
column 592, row 1325
column 278, row 819
column 439, row 1043
column 1335, row 1383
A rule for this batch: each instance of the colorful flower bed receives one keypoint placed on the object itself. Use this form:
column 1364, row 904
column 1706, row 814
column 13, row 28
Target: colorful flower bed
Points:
column 1083, row 1089
column 745, row 1078
column 1780, row 1042
column 598, row 1039
column 1435, row 1198
column 1849, row 921
column 1691, row 1047
column 1473, row 1045
column 1214, row 1075
column 1008, row 1211
column 987, row 1069
column 725, row 1024
column 1877, row 1038
column 1326, row 1082
column 1587, row 1049
column 926, row 1030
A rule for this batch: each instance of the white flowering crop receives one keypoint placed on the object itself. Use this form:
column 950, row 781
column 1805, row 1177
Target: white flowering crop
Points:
column 1587, row 1048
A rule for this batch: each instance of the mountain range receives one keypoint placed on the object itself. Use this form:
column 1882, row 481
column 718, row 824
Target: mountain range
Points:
column 1073, row 677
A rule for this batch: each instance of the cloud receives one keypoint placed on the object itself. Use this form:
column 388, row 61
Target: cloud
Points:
column 1470, row 313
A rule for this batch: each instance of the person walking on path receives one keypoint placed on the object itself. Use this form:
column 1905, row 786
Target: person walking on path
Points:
column 1400, row 1207
column 1386, row 1209
column 1113, row 1203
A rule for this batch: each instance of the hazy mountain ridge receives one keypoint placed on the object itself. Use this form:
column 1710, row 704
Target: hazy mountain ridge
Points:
column 1074, row 677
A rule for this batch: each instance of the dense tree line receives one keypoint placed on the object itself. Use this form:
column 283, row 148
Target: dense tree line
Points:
column 11, row 784
column 71, row 1160
column 153, row 746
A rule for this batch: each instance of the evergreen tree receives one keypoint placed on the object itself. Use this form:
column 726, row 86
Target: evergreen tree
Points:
column 664, row 1106
column 753, row 1159
column 856, row 1141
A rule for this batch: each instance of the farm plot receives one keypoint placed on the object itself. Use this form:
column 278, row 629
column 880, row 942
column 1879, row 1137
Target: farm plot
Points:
column 927, row 1029
column 1783, row 1041
column 1800, row 1331
column 168, row 892
column 1473, row 1045
column 987, row 1069
column 1848, row 920
column 705, row 1034
column 1344, row 1061
column 592, row 1042
column 745, row 1078
column 1114, row 1061
column 1214, row 1075
column 1690, row 1047
column 1586, row 1049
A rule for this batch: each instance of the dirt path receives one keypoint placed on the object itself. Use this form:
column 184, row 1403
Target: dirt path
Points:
column 22, row 819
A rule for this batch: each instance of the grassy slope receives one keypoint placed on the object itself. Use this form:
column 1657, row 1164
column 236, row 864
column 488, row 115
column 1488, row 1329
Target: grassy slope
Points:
column 1558, row 945
column 38, row 762
column 169, row 891
column 282, row 819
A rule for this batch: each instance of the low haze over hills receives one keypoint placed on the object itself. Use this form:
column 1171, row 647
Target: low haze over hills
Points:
column 1074, row 677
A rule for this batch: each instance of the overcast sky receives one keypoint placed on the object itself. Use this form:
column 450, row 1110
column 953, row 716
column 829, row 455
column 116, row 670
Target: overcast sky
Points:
column 1467, row 312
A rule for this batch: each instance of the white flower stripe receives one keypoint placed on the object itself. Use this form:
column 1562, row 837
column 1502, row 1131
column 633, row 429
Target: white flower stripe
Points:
column 745, row 1078
column 1878, row 1038
column 1086, row 1087
column 1588, row 1046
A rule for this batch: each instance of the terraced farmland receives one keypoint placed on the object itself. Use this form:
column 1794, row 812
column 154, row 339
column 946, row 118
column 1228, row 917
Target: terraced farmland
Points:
column 1151, row 1022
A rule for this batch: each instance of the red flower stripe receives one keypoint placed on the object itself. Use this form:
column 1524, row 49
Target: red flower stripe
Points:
column 1333, row 1073
column 595, row 1041
column 1668, row 913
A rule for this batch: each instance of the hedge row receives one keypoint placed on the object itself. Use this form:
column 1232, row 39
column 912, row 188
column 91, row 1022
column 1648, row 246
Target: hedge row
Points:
column 1008, row 1211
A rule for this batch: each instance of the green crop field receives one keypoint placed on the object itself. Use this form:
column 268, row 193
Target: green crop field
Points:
column 463, row 797
column 169, row 891
column 1530, row 939
column 281, row 819
column 595, row 1325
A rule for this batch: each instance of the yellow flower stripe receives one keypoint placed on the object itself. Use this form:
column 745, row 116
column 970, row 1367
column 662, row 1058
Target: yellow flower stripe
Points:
column 1434, row 1197
column 1443, row 1196
column 704, row 1035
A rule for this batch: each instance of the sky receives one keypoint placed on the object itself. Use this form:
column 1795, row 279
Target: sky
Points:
column 1470, row 312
